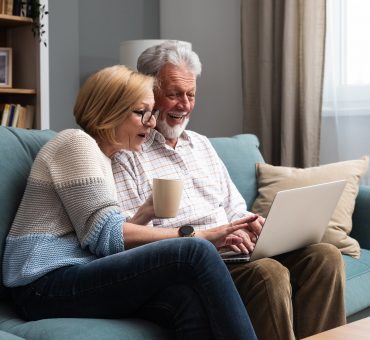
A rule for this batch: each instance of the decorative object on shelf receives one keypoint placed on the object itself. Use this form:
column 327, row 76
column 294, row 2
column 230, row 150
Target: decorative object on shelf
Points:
column 37, row 10
column 5, row 67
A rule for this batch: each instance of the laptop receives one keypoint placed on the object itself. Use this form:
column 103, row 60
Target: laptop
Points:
column 297, row 218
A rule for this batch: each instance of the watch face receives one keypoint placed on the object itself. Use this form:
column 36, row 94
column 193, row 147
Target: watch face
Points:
column 186, row 230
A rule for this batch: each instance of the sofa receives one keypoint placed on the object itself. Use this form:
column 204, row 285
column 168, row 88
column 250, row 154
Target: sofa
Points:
column 19, row 147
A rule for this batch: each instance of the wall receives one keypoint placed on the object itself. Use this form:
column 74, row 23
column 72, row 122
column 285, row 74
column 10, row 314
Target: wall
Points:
column 85, row 36
column 104, row 24
column 213, row 28
column 63, row 62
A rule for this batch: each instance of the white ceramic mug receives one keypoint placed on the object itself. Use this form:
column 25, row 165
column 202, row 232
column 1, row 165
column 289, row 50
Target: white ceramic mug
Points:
column 167, row 195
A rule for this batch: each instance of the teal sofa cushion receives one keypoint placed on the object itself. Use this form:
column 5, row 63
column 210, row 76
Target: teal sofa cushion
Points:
column 240, row 155
column 9, row 336
column 79, row 328
column 18, row 149
column 357, row 282
column 361, row 217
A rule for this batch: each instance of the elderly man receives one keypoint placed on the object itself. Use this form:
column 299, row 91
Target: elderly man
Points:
column 290, row 296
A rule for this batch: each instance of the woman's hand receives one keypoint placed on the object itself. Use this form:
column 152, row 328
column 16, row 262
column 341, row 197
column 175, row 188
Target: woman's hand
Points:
column 223, row 235
column 145, row 213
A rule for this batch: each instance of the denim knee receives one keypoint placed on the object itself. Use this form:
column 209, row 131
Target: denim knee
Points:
column 198, row 247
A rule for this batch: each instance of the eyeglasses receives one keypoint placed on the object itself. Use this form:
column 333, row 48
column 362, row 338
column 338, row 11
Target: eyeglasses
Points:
column 146, row 116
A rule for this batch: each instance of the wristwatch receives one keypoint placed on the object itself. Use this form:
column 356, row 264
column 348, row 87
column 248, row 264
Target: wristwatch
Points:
column 186, row 231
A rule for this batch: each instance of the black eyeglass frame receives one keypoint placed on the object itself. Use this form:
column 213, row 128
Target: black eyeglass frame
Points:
column 145, row 118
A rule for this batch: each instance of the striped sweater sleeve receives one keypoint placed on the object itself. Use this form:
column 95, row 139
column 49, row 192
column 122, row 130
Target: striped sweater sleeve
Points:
column 82, row 178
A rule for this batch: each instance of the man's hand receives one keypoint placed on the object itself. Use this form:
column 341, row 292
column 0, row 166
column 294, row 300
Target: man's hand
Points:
column 249, row 236
column 224, row 235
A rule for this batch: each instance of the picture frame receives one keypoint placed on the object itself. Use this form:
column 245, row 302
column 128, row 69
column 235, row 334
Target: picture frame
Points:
column 6, row 62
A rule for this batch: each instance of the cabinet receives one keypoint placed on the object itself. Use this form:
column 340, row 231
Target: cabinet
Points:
column 30, row 80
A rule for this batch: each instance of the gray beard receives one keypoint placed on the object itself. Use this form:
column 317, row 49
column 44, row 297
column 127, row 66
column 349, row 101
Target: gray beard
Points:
column 170, row 132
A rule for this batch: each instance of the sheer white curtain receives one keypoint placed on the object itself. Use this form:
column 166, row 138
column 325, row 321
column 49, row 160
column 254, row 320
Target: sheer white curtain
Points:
column 345, row 130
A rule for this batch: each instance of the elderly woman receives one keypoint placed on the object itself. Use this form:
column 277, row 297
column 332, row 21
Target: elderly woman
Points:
column 71, row 253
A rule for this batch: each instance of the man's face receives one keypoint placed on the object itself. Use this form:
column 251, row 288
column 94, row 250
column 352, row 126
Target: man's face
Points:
column 175, row 100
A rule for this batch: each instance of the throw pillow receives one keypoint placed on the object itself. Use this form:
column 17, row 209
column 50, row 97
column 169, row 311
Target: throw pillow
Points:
column 271, row 179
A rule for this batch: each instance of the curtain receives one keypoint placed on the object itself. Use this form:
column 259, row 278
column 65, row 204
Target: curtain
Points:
column 282, row 72
column 345, row 131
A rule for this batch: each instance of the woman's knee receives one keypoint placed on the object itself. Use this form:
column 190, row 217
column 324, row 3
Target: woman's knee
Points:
column 198, row 248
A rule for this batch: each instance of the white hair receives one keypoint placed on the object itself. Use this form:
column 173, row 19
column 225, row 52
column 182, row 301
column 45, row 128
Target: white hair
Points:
column 175, row 52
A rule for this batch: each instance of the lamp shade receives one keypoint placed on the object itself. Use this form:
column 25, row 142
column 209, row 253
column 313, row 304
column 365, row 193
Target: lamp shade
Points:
column 130, row 50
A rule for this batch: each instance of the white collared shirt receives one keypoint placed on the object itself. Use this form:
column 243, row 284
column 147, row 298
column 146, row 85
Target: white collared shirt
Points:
column 209, row 198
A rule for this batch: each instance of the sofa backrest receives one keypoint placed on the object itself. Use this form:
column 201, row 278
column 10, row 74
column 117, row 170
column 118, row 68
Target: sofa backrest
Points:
column 240, row 155
column 18, row 149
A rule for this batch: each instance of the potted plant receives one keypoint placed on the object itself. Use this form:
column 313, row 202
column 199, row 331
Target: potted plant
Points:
column 36, row 10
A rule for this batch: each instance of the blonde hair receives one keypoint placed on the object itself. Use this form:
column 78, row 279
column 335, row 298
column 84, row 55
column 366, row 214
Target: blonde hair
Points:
column 107, row 98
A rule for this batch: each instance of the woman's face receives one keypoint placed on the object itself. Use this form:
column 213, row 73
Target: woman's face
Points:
column 131, row 132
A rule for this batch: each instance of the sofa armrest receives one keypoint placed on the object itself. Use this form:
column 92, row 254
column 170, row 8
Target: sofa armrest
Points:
column 361, row 217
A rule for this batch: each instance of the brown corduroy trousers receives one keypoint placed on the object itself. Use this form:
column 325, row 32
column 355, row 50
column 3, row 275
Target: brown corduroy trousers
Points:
column 294, row 295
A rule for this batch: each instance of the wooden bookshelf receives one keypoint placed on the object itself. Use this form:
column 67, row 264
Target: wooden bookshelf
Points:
column 12, row 90
column 29, row 67
column 12, row 20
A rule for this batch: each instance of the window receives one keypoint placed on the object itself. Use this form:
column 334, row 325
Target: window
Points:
column 347, row 61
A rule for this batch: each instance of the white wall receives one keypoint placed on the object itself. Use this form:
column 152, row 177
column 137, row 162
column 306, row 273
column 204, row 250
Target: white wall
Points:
column 213, row 28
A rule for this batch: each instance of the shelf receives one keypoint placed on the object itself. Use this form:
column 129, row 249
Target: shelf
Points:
column 30, row 66
column 12, row 20
column 10, row 90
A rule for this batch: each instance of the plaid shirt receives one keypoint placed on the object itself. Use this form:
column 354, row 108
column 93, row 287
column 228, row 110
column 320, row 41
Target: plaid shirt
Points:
column 209, row 198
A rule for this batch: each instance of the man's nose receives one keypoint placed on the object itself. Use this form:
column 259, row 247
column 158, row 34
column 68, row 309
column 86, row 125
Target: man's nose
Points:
column 183, row 103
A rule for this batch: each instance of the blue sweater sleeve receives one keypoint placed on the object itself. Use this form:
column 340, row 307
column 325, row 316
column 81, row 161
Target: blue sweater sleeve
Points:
column 106, row 237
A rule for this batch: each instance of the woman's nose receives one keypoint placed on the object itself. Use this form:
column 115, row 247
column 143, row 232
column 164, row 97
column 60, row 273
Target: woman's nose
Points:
column 152, row 122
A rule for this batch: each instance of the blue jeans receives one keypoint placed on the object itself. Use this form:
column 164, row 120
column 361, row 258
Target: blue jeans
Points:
column 181, row 284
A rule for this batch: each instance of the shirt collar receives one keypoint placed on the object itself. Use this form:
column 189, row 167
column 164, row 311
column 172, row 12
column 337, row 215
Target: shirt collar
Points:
column 154, row 135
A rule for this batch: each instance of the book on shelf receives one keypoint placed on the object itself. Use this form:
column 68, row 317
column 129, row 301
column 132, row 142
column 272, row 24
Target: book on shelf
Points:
column 30, row 112
column 25, row 119
column 16, row 115
column 17, row 110
column 17, row 6
column 21, row 123
column 5, row 117
column 8, row 7
column 11, row 114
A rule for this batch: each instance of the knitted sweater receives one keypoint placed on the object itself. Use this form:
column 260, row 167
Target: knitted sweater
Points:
column 69, row 212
